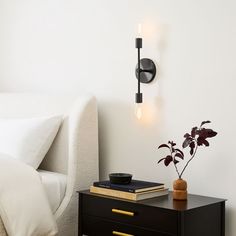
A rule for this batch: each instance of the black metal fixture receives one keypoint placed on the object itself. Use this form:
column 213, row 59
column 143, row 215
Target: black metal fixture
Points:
column 145, row 72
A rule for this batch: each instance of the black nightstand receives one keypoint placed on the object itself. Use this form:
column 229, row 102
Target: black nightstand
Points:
column 198, row 216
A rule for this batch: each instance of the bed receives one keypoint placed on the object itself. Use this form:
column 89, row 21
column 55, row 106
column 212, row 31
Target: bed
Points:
column 71, row 163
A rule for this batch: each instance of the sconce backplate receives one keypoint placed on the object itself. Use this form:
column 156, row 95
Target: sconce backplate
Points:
column 147, row 70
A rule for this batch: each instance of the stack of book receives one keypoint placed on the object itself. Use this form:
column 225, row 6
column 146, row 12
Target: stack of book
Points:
column 136, row 190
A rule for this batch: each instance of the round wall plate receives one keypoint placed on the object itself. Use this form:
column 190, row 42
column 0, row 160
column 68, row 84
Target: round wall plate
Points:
column 148, row 70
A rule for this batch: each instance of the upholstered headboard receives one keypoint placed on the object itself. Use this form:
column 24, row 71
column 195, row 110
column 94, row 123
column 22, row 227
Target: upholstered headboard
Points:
column 74, row 151
column 79, row 124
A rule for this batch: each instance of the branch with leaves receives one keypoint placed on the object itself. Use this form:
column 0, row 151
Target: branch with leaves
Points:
column 197, row 137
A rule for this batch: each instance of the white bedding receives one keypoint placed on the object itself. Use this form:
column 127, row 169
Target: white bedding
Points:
column 55, row 187
column 24, row 207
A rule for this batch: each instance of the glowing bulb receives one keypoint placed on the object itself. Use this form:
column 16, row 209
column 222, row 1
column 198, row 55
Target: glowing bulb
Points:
column 138, row 110
column 139, row 30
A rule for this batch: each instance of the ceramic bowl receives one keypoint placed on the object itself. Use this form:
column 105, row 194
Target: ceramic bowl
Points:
column 120, row 178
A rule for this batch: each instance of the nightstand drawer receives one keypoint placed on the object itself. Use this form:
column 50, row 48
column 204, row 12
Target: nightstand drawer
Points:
column 136, row 215
column 95, row 226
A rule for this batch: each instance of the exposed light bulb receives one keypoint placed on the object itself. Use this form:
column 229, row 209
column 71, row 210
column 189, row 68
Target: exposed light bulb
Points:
column 138, row 110
column 140, row 30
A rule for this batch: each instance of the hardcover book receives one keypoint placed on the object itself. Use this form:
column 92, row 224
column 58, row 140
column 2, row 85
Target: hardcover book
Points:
column 135, row 186
column 128, row 195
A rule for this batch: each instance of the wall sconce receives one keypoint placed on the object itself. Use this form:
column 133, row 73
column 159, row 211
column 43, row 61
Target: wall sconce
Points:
column 145, row 73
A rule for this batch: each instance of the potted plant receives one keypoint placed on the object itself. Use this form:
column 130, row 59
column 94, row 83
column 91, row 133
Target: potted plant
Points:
column 193, row 140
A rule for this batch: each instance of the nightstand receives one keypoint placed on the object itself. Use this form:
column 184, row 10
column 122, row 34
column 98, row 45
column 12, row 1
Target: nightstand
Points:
column 105, row 216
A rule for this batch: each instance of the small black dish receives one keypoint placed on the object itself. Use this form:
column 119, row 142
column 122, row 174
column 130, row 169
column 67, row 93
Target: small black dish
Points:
column 120, row 178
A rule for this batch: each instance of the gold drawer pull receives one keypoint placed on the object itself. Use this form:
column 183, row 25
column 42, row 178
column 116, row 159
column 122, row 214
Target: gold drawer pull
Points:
column 121, row 234
column 127, row 213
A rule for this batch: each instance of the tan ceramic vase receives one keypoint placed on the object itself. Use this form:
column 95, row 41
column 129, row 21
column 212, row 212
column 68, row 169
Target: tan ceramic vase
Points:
column 180, row 190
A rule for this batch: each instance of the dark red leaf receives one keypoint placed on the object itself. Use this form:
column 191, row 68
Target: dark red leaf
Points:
column 168, row 160
column 206, row 133
column 200, row 141
column 187, row 142
column 192, row 146
column 206, row 143
column 161, row 160
column 179, row 155
column 186, row 135
column 193, row 132
column 202, row 133
column 178, row 150
column 176, row 162
column 210, row 133
column 191, row 151
column 163, row 145
column 205, row 122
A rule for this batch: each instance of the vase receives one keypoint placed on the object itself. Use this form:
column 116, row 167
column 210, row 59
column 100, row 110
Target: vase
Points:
column 180, row 190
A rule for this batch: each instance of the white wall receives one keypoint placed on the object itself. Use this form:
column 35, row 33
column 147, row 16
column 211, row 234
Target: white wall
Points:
column 71, row 46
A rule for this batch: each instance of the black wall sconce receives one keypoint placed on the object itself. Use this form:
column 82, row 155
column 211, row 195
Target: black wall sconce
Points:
column 145, row 73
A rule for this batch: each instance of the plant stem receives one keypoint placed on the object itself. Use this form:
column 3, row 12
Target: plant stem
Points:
column 180, row 176
column 177, row 171
column 171, row 151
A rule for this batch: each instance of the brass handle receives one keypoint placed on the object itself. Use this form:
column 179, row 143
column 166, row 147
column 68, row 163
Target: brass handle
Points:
column 121, row 234
column 127, row 213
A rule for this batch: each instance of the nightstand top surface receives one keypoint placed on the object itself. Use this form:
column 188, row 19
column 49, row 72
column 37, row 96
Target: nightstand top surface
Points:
column 167, row 202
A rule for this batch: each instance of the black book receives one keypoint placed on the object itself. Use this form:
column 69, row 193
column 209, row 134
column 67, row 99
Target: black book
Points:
column 135, row 186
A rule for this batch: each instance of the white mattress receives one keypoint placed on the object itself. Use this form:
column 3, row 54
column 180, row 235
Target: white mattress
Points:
column 55, row 187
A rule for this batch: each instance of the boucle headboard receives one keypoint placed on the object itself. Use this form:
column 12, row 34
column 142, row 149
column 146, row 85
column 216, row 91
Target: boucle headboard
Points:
column 75, row 149
column 79, row 125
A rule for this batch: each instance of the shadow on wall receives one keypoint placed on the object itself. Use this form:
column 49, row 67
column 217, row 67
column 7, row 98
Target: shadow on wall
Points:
column 125, row 139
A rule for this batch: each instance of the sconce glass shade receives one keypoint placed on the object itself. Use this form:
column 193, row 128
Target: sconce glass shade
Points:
column 138, row 110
